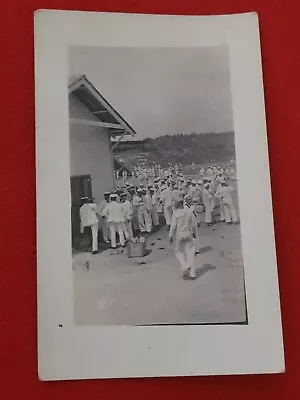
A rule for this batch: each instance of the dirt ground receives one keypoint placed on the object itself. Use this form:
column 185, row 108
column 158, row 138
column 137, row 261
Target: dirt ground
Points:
column 117, row 290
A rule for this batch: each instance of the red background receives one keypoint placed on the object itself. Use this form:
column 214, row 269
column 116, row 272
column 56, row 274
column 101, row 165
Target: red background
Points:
column 280, row 38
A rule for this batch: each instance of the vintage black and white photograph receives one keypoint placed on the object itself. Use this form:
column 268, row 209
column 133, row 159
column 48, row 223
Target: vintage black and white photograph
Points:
column 154, row 187
column 155, row 240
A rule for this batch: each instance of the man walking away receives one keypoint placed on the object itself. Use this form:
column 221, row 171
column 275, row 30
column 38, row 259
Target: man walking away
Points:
column 114, row 213
column 142, row 213
column 88, row 219
column 188, row 203
column 177, row 195
column 229, row 210
column 128, row 211
column 220, row 180
column 183, row 227
column 167, row 200
column 207, row 198
column 154, row 201
column 103, row 221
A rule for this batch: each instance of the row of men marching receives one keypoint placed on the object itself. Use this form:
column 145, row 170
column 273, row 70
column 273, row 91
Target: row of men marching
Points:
column 156, row 171
column 134, row 210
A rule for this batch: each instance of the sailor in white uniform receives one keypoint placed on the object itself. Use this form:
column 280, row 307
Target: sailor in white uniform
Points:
column 188, row 203
column 128, row 212
column 103, row 221
column 224, row 194
column 144, row 217
column 219, row 180
column 114, row 213
column 183, row 228
column 154, row 213
column 207, row 198
column 89, row 219
column 167, row 200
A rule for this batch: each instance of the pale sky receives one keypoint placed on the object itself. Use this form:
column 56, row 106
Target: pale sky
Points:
column 161, row 90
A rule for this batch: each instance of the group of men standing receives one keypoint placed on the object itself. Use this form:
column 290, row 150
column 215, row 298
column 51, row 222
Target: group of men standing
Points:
column 135, row 209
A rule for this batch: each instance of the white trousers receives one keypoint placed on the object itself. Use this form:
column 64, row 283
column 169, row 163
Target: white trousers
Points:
column 104, row 228
column 154, row 216
column 128, row 226
column 208, row 211
column 222, row 211
column 197, row 241
column 230, row 214
column 145, row 222
column 185, row 253
column 94, row 229
column 115, row 227
column 168, row 211
column 159, row 208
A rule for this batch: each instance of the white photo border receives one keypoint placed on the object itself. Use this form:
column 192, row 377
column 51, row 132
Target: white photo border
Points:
column 69, row 352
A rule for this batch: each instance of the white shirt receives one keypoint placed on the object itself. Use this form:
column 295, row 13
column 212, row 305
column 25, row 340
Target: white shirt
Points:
column 154, row 199
column 206, row 196
column 148, row 201
column 114, row 212
column 196, row 196
column 177, row 195
column 102, row 206
column 192, row 190
column 88, row 215
column 167, row 197
column 139, row 202
column 135, row 200
column 224, row 193
column 183, row 220
column 128, row 209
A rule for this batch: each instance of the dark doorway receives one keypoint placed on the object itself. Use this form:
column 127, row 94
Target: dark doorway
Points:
column 81, row 186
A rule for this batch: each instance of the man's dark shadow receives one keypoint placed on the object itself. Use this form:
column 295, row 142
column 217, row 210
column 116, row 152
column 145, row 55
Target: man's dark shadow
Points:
column 201, row 271
column 205, row 249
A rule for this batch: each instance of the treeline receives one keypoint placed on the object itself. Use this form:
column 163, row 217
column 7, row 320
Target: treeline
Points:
column 182, row 148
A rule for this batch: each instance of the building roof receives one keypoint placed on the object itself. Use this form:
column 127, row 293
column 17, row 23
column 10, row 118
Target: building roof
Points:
column 87, row 94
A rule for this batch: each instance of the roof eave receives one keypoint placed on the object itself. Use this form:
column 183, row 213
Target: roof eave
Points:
column 83, row 81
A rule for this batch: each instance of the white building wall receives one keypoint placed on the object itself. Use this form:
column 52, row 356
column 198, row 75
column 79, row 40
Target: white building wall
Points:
column 90, row 152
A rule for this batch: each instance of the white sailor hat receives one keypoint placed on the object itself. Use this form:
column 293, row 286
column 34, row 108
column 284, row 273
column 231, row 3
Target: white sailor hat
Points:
column 122, row 194
column 84, row 198
column 139, row 190
column 194, row 182
column 200, row 182
column 106, row 193
column 113, row 196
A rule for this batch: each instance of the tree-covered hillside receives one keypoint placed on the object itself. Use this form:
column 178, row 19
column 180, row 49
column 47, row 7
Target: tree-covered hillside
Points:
column 182, row 148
